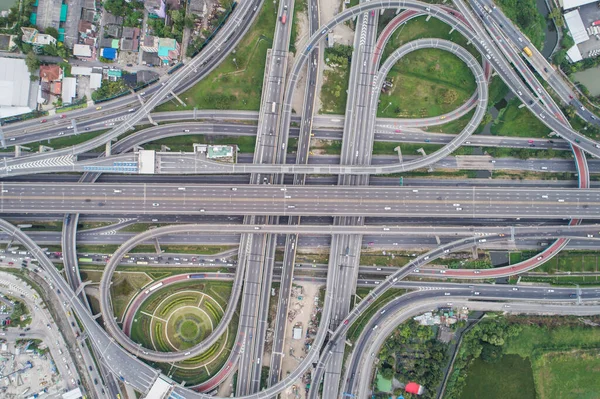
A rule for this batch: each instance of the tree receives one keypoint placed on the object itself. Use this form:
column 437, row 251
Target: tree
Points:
column 52, row 32
column 33, row 62
column 491, row 353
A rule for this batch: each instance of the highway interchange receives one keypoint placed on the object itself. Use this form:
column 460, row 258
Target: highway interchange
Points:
column 270, row 197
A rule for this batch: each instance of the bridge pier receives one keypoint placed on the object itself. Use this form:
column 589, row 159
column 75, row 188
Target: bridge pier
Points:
column 437, row 239
column 157, row 246
column 428, row 18
column 2, row 139
column 150, row 119
column 399, row 151
column 74, row 124
column 140, row 98
column 164, row 148
column 97, row 316
column 81, row 287
column 108, row 149
column 474, row 253
column 177, row 98
column 19, row 149
column 44, row 148
column 451, row 30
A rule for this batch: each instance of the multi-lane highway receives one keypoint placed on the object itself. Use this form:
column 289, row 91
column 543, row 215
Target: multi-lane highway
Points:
column 268, row 198
column 469, row 203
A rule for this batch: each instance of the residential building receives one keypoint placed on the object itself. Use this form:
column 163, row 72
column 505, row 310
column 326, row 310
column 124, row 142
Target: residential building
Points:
column 168, row 50
column 33, row 37
column 130, row 40
column 51, row 81
column 150, row 44
column 82, row 51
column 156, row 8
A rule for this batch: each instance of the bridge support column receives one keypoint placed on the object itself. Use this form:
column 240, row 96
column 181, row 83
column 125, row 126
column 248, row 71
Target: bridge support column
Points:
column 177, row 98
column 157, row 246
column 437, row 239
column 140, row 98
column 2, row 139
column 19, row 149
column 44, row 148
column 81, row 287
column 164, row 148
column 474, row 253
column 108, row 149
column 150, row 119
column 451, row 30
column 428, row 18
column 74, row 124
column 399, row 151
column 97, row 316
column 398, row 10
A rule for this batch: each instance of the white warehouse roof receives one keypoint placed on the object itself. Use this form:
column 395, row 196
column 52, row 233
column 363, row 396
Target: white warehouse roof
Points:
column 69, row 86
column 568, row 4
column 77, row 70
column 574, row 54
column 576, row 27
column 16, row 88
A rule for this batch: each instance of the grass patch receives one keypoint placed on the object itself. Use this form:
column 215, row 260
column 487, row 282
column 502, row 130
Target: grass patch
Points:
column 497, row 90
column 483, row 381
column 185, row 143
column 124, row 287
column 230, row 86
column 518, row 122
column 62, row 142
column 566, row 261
column 427, row 82
column 336, row 79
column 568, row 374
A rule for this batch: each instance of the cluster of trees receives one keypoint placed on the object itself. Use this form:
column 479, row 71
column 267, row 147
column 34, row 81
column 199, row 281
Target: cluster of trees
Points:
column 15, row 19
column 132, row 12
column 486, row 340
column 412, row 353
column 109, row 89
column 173, row 26
column 338, row 55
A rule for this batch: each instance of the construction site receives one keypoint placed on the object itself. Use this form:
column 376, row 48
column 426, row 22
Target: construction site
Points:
column 27, row 370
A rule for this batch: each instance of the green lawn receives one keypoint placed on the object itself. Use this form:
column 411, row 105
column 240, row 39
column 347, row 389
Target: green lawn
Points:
column 568, row 375
column 511, row 377
column 427, row 82
column 534, row 337
column 497, row 90
column 185, row 143
column 518, row 122
column 333, row 91
column 566, row 261
column 231, row 87
column 181, row 249
column 61, row 142
column 124, row 287
column 356, row 328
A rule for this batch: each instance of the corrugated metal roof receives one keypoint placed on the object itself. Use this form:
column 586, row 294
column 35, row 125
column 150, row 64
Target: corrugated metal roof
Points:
column 568, row 4
column 14, row 83
column 576, row 27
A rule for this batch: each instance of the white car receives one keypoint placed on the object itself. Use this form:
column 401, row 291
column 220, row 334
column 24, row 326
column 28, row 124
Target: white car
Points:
column 156, row 204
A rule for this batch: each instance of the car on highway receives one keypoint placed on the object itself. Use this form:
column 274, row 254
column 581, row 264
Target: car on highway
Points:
column 63, row 116
column 539, row 258
column 98, row 108
column 186, row 130
column 61, row 133
column 44, row 121
column 156, row 204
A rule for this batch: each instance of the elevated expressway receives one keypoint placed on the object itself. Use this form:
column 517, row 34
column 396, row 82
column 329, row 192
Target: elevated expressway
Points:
column 447, row 202
column 340, row 14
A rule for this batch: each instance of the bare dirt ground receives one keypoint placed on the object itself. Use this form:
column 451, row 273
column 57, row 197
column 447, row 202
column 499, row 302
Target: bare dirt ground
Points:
column 303, row 308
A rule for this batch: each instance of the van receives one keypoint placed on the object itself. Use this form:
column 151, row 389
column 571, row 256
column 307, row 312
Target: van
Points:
column 544, row 168
column 117, row 191
column 561, row 200
column 483, row 240
column 545, row 196
column 415, row 191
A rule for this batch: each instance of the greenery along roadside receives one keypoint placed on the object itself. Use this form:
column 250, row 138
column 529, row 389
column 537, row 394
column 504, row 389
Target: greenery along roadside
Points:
column 237, row 83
